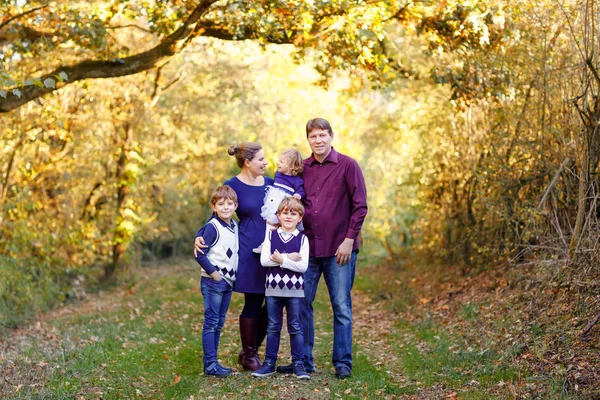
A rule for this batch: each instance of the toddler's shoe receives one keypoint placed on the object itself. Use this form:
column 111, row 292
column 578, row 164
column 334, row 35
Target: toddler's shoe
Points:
column 216, row 370
column 268, row 368
column 300, row 371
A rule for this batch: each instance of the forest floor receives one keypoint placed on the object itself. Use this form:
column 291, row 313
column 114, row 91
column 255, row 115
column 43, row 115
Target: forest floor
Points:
column 419, row 333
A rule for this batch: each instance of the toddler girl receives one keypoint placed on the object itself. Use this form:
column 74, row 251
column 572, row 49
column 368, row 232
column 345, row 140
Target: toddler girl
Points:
column 288, row 182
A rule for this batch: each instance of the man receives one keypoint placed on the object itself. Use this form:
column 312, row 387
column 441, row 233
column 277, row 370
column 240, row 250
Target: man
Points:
column 336, row 206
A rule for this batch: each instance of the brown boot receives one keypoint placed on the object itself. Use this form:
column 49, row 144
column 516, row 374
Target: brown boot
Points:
column 248, row 357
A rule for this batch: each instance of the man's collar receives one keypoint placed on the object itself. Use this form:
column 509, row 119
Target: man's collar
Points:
column 333, row 157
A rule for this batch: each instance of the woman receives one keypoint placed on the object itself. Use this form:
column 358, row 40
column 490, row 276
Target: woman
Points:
column 250, row 185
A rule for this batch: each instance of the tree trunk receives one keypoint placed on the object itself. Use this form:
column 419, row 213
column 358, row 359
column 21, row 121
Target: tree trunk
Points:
column 4, row 185
column 123, row 193
column 582, row 201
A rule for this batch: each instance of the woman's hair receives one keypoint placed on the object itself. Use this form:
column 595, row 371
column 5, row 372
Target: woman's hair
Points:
column 318, row 123
column 223, row 192
column 244, row 151
column 291, row 204
column 295, row 161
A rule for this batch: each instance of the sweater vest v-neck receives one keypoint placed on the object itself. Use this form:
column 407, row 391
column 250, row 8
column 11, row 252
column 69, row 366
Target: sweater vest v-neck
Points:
column 283, row 282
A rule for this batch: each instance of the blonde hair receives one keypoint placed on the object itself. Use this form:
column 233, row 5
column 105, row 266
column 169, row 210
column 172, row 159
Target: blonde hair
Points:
column 291, row 204
column 223, row 192
column 244, row 151
column 295, row 161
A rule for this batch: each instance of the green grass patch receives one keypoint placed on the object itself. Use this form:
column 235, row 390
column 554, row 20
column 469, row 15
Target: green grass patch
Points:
column 431, row 356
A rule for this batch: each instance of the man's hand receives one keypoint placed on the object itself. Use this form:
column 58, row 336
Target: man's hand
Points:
column 277, row 257
column 343, row 253
column 294, row 256
column 216, row 276
column 199, row 245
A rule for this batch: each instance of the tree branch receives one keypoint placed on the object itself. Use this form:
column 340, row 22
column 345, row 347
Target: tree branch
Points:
column 130, row 26
column 8, row 21
column 93, row 69
column 589, row 327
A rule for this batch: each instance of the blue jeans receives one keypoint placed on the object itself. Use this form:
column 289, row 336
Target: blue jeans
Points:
column 217, row 295
column 339, row 280
column 293, row 306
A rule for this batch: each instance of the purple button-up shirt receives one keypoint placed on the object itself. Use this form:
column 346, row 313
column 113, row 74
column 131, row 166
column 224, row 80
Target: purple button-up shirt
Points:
column 335, row 202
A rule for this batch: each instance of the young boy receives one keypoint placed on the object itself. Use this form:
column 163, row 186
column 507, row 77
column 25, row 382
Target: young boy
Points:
column 219, row 268
column 284, row 286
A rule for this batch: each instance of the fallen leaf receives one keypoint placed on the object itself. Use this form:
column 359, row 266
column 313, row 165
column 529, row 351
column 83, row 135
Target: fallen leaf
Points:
column 176, row 380
column 347, row 391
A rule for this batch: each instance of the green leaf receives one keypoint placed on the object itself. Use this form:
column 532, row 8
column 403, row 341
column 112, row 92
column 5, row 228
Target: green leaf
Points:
column 49, row 83
column 63, row 76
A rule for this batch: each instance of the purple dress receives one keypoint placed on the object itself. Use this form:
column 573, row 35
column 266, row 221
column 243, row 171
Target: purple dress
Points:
column 251, row 274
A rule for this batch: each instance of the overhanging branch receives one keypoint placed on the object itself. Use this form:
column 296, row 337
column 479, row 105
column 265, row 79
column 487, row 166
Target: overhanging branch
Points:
column 9, row 20
column 93, row 69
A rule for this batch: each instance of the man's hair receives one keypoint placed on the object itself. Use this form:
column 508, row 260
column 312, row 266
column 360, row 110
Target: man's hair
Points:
column 244, row 151
column 318, row 123
column 295, row 159
column 291, row 204
column 223, row 192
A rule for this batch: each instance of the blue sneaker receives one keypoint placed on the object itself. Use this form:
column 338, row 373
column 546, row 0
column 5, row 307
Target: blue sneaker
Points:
column 343, row 372
column 225, row 368
column 216, row 370
column 300, row 371
column 268, row 368
column 289, row 369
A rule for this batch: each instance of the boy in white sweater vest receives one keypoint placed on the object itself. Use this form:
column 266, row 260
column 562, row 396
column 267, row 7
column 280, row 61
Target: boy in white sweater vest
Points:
column 219, row 267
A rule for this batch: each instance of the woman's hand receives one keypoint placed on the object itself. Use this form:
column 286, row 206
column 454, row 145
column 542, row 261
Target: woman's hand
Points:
column 294, row 256
column 199, row 245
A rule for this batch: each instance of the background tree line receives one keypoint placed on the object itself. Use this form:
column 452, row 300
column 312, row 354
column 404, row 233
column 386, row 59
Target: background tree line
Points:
column 475, row 123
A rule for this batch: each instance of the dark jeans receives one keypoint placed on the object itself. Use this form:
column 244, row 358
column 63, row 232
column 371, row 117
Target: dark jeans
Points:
column 293, row 306
column 217, row 295
column 339, row 280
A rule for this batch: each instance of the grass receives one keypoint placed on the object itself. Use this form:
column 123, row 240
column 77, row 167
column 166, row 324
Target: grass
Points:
column 143, row 341
column 433, row 357
column 146, row 343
